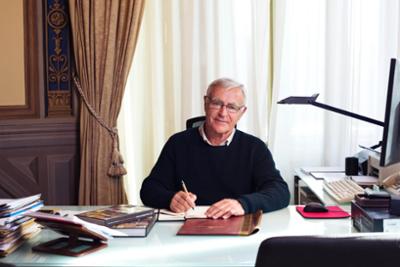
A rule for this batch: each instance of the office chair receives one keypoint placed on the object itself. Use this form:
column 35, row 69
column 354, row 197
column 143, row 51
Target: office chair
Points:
column 194, row 122
column 318, row 251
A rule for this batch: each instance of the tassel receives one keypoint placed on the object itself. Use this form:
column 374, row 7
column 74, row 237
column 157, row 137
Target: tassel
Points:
column 117, row 168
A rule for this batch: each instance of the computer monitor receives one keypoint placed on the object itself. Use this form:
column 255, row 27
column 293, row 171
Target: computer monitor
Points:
column 390, row 153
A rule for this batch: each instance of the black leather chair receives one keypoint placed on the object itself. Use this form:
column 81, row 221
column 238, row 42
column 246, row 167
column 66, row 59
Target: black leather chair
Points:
column 194, row 122
column 318, row 251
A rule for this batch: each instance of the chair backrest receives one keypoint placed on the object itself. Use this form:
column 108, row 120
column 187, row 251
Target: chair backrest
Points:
column 319, row 251
column 194, row 122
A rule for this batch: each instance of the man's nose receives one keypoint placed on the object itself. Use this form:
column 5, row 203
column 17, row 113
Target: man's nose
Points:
column 223, row 110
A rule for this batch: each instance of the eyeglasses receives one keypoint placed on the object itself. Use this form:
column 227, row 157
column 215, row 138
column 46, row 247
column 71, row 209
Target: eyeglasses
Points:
column 218, row 104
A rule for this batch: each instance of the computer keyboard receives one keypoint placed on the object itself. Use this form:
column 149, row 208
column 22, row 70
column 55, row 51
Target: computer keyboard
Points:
column 342, row 190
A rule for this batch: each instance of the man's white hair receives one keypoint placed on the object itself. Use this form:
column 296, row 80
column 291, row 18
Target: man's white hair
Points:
column 226, row 83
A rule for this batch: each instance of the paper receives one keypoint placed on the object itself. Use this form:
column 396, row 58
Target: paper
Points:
column 197, row 212
column 308, row 170
column 328, row 176
column 7, row 203
column 391, row 225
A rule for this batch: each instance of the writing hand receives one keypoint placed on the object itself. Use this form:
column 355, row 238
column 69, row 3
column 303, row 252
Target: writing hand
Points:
column 182, row 201
column 225, row 208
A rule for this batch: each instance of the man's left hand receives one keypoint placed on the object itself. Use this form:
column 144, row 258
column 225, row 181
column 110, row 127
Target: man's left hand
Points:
column 225, row 208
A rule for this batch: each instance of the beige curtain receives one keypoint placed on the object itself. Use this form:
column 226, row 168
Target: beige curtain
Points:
column 104, row 39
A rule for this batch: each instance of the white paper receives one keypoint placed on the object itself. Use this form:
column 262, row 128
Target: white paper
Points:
column 391, row 225
column 197, row 212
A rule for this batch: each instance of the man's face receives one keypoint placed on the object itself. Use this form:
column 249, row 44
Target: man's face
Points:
column 223, row 108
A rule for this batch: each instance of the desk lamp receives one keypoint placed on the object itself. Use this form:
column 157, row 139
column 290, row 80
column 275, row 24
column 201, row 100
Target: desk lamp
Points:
column 311, row 100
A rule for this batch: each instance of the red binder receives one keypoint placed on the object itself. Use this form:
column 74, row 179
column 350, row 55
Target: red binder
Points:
column 334, row 212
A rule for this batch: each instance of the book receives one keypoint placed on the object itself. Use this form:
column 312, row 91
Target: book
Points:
column 116, row 214
column 236, row 225
column 82, row 237
column 136, row 228
column 197, row 212
column 11, row 239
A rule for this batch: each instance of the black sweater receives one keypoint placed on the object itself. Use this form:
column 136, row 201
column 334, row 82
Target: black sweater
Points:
column 244, row 170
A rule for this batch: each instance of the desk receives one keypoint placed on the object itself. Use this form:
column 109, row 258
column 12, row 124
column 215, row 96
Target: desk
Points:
column 302, row 179
column 163, row 248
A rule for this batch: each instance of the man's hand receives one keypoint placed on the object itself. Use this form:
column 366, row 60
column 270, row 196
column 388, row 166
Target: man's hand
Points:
column 225, row 208
column 182, row 201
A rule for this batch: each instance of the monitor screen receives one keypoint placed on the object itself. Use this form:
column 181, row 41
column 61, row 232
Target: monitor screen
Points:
column 390, row 153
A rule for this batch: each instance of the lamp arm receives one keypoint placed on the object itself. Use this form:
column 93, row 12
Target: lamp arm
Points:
column 346, row 113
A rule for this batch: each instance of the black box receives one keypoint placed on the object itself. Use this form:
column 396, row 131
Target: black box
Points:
column 370, row 219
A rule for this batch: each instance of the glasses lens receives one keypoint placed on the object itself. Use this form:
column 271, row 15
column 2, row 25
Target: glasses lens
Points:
column 232, row 108
column 218, row 104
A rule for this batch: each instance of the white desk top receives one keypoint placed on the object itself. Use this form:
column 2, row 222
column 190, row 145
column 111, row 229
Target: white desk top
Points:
column 163, row 247
column 316, row 186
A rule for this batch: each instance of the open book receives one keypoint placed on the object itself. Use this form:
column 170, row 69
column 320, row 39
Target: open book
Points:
column 197, row 212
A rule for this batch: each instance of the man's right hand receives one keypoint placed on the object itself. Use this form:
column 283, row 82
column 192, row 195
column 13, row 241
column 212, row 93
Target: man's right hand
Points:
column 182, row 201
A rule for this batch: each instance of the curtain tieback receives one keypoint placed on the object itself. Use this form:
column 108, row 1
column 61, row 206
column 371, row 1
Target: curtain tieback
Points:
column 117, row 168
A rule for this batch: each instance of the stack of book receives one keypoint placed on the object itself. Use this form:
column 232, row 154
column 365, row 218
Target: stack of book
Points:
column 127, row 220
column 15, row 227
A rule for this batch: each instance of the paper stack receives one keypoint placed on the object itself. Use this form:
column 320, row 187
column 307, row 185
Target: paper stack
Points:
column 15, row 227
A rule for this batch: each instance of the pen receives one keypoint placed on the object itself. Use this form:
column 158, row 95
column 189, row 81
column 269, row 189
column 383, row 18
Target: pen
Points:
column 185, row 189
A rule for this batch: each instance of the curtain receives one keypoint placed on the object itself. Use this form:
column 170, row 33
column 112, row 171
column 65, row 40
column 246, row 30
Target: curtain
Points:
column 104, row 37
column 183, row 46
column 340, row 49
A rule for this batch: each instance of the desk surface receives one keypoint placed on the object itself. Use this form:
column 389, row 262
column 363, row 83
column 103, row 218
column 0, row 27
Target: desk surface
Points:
column 163, row 247
column 316, row 187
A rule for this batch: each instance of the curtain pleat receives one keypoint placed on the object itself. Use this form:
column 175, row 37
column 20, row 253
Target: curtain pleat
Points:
column 104, row 37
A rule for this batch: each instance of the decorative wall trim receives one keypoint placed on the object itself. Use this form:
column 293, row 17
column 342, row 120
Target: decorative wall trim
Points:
column 58, row 59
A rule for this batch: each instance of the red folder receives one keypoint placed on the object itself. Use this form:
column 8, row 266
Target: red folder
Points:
column 334, row 212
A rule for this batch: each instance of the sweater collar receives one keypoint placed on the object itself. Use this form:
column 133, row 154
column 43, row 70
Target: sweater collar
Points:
column 205, row 139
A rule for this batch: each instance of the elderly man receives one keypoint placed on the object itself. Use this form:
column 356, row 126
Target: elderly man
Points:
column 221, row 166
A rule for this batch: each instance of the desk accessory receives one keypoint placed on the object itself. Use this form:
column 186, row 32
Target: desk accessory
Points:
column 83, row 238
column 374, row 219
column 334, row 212
column 116, row 214
column 236, row 225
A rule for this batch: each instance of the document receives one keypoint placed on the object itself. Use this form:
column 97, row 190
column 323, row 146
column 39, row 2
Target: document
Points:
column 197, row 212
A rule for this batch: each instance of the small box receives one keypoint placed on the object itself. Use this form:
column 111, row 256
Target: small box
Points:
column 366, row 201
column 374, row 219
